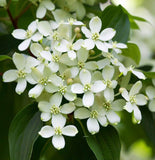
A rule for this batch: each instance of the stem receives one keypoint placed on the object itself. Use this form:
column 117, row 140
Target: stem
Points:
column 11, row 18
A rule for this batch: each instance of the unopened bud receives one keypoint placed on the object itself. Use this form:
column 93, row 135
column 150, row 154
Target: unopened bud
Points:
column 78, row 35
column 69, row 81
column 77, row 30
column 91, row 52
column 121, row 90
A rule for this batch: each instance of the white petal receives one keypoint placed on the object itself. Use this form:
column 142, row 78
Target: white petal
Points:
column 56, row 80
column 102, row 63
column 125, row 95
column 114, row 83
column 82, row 55
column 108, row 72
column 36, row 91
column 135, row 88
column 103, row 120
column 53, row 66
column 24, row 45
column 121, row 45
column 56, row 99
column 45, row 116
column 137, row 114
column 77, row 88
column 150, row 91
column 98, row 86
column 19, row 61
column 21, row 86
column 49, row 5
column 129, row 107
column 109, row 94
column 141, row 100
column 86, row 32
column 140, row 75
column 62, row 46
column 47, row 55
column 88, row 99
column 70, row 96
column 50, row 88
column 44, row 28
column 41, row 11
column 67, row 61
column 82, row 113
column 58, row 120
column 36, row 49
column 88, row 44
column 69, row 130
column 58, row 142
column 46, row 131
column 91, row 65
column 113, row 117
column 10, row 75
column 101, row 46
column 85, row 76
column 93, row 126
column 37, row 37
column 74, row 71
column 19, row 34
column 32, row 26
column 118, row 105
column 68, row 108
column 95, row 25
column 71, row 55
column 152, row 105
column 107, row 34
column 31, row 62
column 97, row 75
column 30, row 79
column 77, row 45
column 44, row 106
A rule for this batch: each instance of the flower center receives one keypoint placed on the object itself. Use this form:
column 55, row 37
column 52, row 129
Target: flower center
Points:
column 58, row 131
column 114, row 44
column 109, row 83
column 95, row 36
column 62, row 89
column 133, row 99
column 81, row 65
column 56, row 58
column 87, row 87
column 21, row 74
column 107, row 105
column 43, row 81
column 29, row 33
column 70, row 46
column 55, row 110
column 55, row 36
column 93, row 114
column 71, row 21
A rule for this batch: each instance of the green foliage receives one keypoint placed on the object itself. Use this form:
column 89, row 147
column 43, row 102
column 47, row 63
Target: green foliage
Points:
column 23, row 133
column 115, row 17
column 133, row 52
column 4, row 57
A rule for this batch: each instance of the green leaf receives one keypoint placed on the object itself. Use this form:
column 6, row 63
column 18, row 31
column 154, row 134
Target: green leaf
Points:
column 148, row 123
column 4, row 57
column 23, row 133
column 150, row 75
column 133, row 52
column 115, row 17
column 105, row 144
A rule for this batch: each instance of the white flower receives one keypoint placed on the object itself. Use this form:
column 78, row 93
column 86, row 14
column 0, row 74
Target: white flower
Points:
column 87, row 88
column 43, row 6
column 27, row 36
column 137, row 73
column 57, row 131
column 23, row 64
column 96, row 38
column 133, row 99
column 150, row 91
column 53, row 108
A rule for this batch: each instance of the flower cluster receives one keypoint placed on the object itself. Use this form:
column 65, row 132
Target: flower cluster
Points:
column 69, row 79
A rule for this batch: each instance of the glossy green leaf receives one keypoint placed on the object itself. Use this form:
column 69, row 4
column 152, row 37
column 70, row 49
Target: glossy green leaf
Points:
column 133, row 52
column 4, row 57
column 23, row 132
column 115, row 17
column 148, row 124
column 105, row 144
